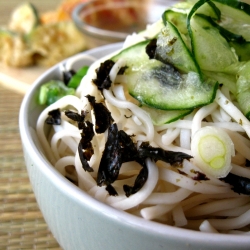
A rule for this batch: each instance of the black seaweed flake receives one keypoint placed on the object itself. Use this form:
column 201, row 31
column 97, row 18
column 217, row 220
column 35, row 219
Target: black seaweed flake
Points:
column 122, row 70
column 111, row 160
column 102, row 115
column 151, row 48
column 247, row 163
column 54, row 117
column 138, row 184
column 67, row 75
column 130, row 153
column 200, row 176
column 240, row 185
column 128, row 147
column 79, row 118
column 103, row 80
column 174, row 158
column 84, row 159
column 111, row 190
column 75, row 116
column 87, row 135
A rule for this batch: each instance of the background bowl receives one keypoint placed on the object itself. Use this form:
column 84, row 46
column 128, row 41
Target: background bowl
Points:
column 110, row 21
column 77, row 220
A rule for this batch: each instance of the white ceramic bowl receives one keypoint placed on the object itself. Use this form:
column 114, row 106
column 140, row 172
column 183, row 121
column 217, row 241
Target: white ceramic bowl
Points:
column 77, row 220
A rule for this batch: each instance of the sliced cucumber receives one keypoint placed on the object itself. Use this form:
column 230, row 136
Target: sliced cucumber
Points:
column 235, row 16
column 179, row 19
column 24, row 18
column 211, row 49
column 160, row 117
column 243, row 89
column 242, row 50
column 222, row 78
column 160, row 85
column 172, row 49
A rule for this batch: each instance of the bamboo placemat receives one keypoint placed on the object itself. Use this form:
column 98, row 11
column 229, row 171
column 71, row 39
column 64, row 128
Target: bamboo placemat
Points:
column 21, row 223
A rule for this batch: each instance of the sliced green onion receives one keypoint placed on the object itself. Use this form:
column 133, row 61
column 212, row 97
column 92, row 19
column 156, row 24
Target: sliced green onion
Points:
column 52, row 91
column 76, row 79
column 212, row 149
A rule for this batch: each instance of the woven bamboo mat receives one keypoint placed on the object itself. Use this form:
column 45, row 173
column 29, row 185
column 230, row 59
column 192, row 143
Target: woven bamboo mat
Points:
column 21, row 223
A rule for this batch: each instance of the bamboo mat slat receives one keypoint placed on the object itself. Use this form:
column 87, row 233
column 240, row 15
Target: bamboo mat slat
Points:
column 21, row 223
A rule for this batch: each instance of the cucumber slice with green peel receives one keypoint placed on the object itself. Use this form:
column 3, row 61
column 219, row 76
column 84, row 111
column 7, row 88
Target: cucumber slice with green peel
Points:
column 160, row 117
column 160, row 85
column 24, row 18
column 222, row 78
column 235, row 16
column 211, row 50
column 237, row 41
column 172, row 49
column 179, row 19
column 243, row 89
column 242, row 50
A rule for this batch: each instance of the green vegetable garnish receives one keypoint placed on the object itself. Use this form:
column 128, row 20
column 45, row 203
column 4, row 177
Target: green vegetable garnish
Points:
column 52, row 91
column 76, row 79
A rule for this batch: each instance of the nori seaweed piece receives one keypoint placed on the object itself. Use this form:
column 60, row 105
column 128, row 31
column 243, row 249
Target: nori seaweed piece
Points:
column 241, row 185
column 128, row 147
column 200, row 176
column 138, row 184
column 75, row 116
column 151, row 48
column 84, row 159
column 111, row 190
column 102, row 115
column 54, row 117
column 79, row 118
column 67, row 75
column 111, row 160
column 87, row 135
column 122, row 70
column 145, row 150
column 103, row 80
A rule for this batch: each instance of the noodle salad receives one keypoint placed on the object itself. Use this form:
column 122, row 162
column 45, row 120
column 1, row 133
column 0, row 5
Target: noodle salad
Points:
column 160, row 128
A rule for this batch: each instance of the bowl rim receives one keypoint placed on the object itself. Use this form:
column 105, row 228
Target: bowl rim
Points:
column 71, row 190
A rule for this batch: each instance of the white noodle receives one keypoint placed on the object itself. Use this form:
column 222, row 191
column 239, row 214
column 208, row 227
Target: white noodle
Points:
column 153, row 212
column 207, row 227
column 179, row 217
column 190, row 184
